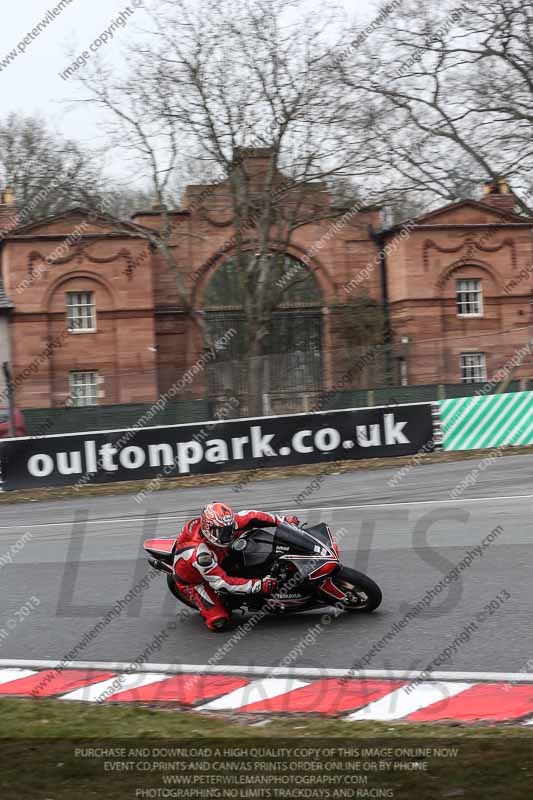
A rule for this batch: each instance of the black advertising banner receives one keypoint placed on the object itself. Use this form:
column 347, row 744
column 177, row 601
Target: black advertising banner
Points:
column 218, row 446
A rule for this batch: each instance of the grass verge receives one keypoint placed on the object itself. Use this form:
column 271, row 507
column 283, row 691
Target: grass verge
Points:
column 45, row 755
column 240, row 479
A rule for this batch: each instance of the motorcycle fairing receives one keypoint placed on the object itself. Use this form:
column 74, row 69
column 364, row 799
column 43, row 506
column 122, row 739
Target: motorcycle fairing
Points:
column 315, row 557
column 162, row 549
column 282, row 603
column 316, row 541
column 254, row 548
column 323, row 571
column 329, row 588
column 322, row 532
column 312, row 568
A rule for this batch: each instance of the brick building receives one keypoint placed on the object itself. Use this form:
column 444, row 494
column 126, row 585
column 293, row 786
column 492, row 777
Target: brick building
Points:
column 94, row 314
column 460, row 290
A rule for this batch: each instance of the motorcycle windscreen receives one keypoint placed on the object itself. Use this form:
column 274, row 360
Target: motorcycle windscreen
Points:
column 296, row 539
column 321, row 532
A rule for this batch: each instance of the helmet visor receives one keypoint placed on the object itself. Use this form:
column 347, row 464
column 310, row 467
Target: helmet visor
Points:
column 223, row 533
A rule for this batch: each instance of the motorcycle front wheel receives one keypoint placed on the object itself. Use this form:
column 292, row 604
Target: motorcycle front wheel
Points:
column 363, row 594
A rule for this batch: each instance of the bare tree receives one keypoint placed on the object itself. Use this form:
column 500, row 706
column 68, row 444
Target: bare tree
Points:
column 452, row 92
column 216, row 81
column 50, row 174
column 362, row 321
column 43, row 168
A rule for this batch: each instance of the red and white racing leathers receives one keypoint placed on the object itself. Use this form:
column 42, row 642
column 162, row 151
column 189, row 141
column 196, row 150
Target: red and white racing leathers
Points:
column 197, row 567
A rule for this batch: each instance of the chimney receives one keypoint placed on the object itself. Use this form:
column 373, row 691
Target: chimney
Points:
column 8, row 211
column 256, row 160
column 247, row 153
column 497, row 194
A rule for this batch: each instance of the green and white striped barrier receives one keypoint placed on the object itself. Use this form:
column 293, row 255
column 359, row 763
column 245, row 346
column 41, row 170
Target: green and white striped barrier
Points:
column 473, row 423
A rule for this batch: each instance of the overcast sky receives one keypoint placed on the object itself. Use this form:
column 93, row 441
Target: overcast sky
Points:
column 31, row 82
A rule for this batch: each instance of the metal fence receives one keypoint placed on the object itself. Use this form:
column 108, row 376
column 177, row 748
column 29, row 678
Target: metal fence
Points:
column 303, row 379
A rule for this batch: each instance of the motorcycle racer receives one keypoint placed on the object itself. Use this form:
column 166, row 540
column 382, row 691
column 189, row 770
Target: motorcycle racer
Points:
column 200, row 549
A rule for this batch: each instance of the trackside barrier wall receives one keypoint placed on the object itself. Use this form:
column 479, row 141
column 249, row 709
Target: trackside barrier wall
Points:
column 218, row 446
column 472, row 423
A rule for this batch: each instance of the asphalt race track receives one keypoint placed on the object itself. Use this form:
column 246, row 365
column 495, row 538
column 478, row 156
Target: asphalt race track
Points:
column 82, row 555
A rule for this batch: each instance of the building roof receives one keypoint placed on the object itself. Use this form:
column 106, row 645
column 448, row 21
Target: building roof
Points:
column 35, row 229
column 509, row 218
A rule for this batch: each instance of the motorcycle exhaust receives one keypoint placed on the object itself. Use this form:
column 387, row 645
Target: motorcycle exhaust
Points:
column 160, row 566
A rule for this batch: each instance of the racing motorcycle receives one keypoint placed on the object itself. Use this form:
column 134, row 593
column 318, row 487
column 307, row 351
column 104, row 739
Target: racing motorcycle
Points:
column 304, row 560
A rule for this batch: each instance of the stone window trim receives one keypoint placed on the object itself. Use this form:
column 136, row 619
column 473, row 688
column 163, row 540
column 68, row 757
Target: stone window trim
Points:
column 84, row 388
column 81, row 312
column 473, row 366
column 469, row 297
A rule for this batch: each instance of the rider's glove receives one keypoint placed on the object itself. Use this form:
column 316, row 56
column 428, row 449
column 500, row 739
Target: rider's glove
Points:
column 265, row 585
column 292, row 520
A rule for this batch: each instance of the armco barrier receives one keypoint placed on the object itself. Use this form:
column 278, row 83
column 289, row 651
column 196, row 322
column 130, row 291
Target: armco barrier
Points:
column 472, row 423
column 218, row 446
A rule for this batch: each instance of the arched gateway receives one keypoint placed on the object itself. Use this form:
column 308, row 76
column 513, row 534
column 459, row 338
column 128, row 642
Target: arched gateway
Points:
column 292, row 354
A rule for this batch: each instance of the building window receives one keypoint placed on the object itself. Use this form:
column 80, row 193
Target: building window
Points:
column 469, row 298
column 83, row 391
column 81, row 311
column 473, row 368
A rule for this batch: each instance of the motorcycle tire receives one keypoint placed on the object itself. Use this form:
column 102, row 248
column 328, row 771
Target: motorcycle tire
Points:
column 366, row 593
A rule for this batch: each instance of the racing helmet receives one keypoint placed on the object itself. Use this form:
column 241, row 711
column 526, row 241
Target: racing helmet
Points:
column 217, row 524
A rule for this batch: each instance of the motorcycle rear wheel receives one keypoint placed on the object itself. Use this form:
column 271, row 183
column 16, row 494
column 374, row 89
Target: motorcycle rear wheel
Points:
column 363, row 593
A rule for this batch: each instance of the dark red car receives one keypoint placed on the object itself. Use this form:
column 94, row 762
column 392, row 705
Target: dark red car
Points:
column 20, row 428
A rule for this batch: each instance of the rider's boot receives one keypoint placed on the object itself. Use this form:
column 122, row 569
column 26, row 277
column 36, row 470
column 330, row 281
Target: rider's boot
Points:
column 220, row 625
